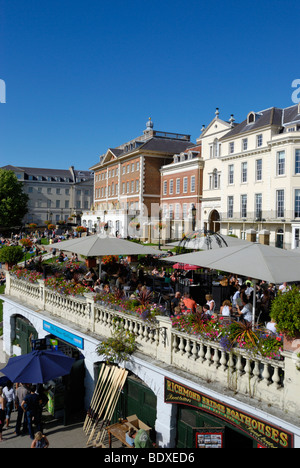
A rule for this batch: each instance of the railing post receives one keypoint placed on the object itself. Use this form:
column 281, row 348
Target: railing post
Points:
column 42, row 292
column 91, row 309
column 7, row 283
column 164, row 348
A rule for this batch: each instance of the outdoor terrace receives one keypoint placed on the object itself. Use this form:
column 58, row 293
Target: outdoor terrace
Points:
column 272, row 382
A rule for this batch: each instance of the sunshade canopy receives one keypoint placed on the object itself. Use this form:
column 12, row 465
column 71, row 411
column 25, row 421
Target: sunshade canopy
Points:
column 38, row 366
column 98, row 246
column 254, row 260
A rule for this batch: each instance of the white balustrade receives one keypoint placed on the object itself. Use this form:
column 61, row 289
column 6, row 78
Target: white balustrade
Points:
column 256, row 377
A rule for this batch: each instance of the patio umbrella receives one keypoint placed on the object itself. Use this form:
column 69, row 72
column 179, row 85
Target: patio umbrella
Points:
column 208, row 242
column 254, row 260
column 38, row 366
column 99, row 245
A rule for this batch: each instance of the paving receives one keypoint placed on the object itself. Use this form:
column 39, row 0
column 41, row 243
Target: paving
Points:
column 59, row 435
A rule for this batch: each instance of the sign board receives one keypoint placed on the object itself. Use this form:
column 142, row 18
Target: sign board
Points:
column 266, row 434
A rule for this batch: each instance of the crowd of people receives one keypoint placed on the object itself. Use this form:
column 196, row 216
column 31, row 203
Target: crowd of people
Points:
column 28, row 401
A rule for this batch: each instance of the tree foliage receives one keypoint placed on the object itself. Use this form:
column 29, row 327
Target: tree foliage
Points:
column 285, row 310
column 13, row 200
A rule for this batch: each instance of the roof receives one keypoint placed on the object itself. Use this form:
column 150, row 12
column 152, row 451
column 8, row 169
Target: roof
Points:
column 38, row 171
column 272, row 116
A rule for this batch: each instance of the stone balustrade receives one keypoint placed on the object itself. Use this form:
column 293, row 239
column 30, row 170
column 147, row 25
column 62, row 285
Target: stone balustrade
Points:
column 273, row 382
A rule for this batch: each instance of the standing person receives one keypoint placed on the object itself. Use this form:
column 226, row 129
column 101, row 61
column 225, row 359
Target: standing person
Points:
column 21, row 393
column 2, row 412
column 30, row 406
column 10, row 397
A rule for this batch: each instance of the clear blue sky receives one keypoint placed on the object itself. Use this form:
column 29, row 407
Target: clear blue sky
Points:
column 85, row 75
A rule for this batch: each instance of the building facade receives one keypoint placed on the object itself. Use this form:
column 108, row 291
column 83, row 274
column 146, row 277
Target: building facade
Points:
column 127, row 182
column 261, row 177
column 211, row 150
column 55, row 194
column 181, row 193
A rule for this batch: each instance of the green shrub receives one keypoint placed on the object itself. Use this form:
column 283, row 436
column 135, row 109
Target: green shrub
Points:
column 11, row 254
column 285, row 310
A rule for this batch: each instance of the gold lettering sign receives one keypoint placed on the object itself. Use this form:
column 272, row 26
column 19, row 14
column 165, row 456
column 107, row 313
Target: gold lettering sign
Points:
column 264, row 433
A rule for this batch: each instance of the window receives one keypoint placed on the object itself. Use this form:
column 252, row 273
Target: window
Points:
column 132, row 186
column 215, row 179
column 30, row 189
column 193, row 183
column 171, row 187
column 244, row 172
column 280, row 163
column 258, row 169
column 184, row 211
column 230, row 173
column 258, row 206
column 243, row 206
column 259, row 140
column 138, row 166
column 128, row 187
column 67, row 204
column 165, row 187
column 185, row 185
column 57, row 204
column 48, row 191
column 231, row 147
column 137, row 185
column 280, row 203
column 230, row 207
column 123, row 187
column 67, row 191
column 244, row 144
column 177, row 211
column 297, row 161
column 297, row 203
column 132, row 167
column 177, row 186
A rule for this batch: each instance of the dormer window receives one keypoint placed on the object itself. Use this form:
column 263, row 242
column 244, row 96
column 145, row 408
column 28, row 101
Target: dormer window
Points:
column 251, row 118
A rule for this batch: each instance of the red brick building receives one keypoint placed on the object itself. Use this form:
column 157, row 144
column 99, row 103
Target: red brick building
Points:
column 127, row 179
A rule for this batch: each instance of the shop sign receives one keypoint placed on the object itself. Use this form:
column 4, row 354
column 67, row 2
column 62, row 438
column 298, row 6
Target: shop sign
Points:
column 70, row 338
column 266, row 434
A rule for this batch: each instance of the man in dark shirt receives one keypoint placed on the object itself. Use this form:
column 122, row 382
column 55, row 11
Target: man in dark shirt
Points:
column 30, row 406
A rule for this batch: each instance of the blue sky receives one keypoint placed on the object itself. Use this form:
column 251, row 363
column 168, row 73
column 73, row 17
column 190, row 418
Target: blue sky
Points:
column 85, row 75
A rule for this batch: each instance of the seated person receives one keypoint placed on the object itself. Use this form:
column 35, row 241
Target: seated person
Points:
column 210, row 302
column 226, row 308
column 206, row 311
column 190, row 303
column 176, row 300
column 271, row 326
column 246, row 312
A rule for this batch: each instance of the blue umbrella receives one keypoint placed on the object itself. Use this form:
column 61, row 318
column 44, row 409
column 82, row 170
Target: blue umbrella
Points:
column 38, row 366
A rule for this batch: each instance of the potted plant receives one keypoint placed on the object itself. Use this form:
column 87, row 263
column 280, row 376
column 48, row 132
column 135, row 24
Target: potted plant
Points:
column 285, row 311
column 11, row 255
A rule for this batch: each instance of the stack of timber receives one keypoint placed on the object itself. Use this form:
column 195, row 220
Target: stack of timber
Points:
column 110, row 383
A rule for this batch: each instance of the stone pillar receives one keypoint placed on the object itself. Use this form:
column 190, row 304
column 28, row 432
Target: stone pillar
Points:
column 251, row 235
column 166, row 424
column 264, row 237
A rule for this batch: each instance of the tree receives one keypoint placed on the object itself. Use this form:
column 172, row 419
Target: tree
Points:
column 13, row 200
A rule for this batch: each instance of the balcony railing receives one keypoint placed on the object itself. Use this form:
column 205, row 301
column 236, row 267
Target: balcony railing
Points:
column 273, row 382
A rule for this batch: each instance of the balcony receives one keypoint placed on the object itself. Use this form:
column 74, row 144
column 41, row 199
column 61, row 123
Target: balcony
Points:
column 270, row 382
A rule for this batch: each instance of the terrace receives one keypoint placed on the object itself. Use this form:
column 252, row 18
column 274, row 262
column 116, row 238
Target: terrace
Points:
column 264, row 372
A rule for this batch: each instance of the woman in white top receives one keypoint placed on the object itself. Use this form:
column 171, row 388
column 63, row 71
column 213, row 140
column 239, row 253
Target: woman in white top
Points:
column 211, row 303
column 225, row 309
